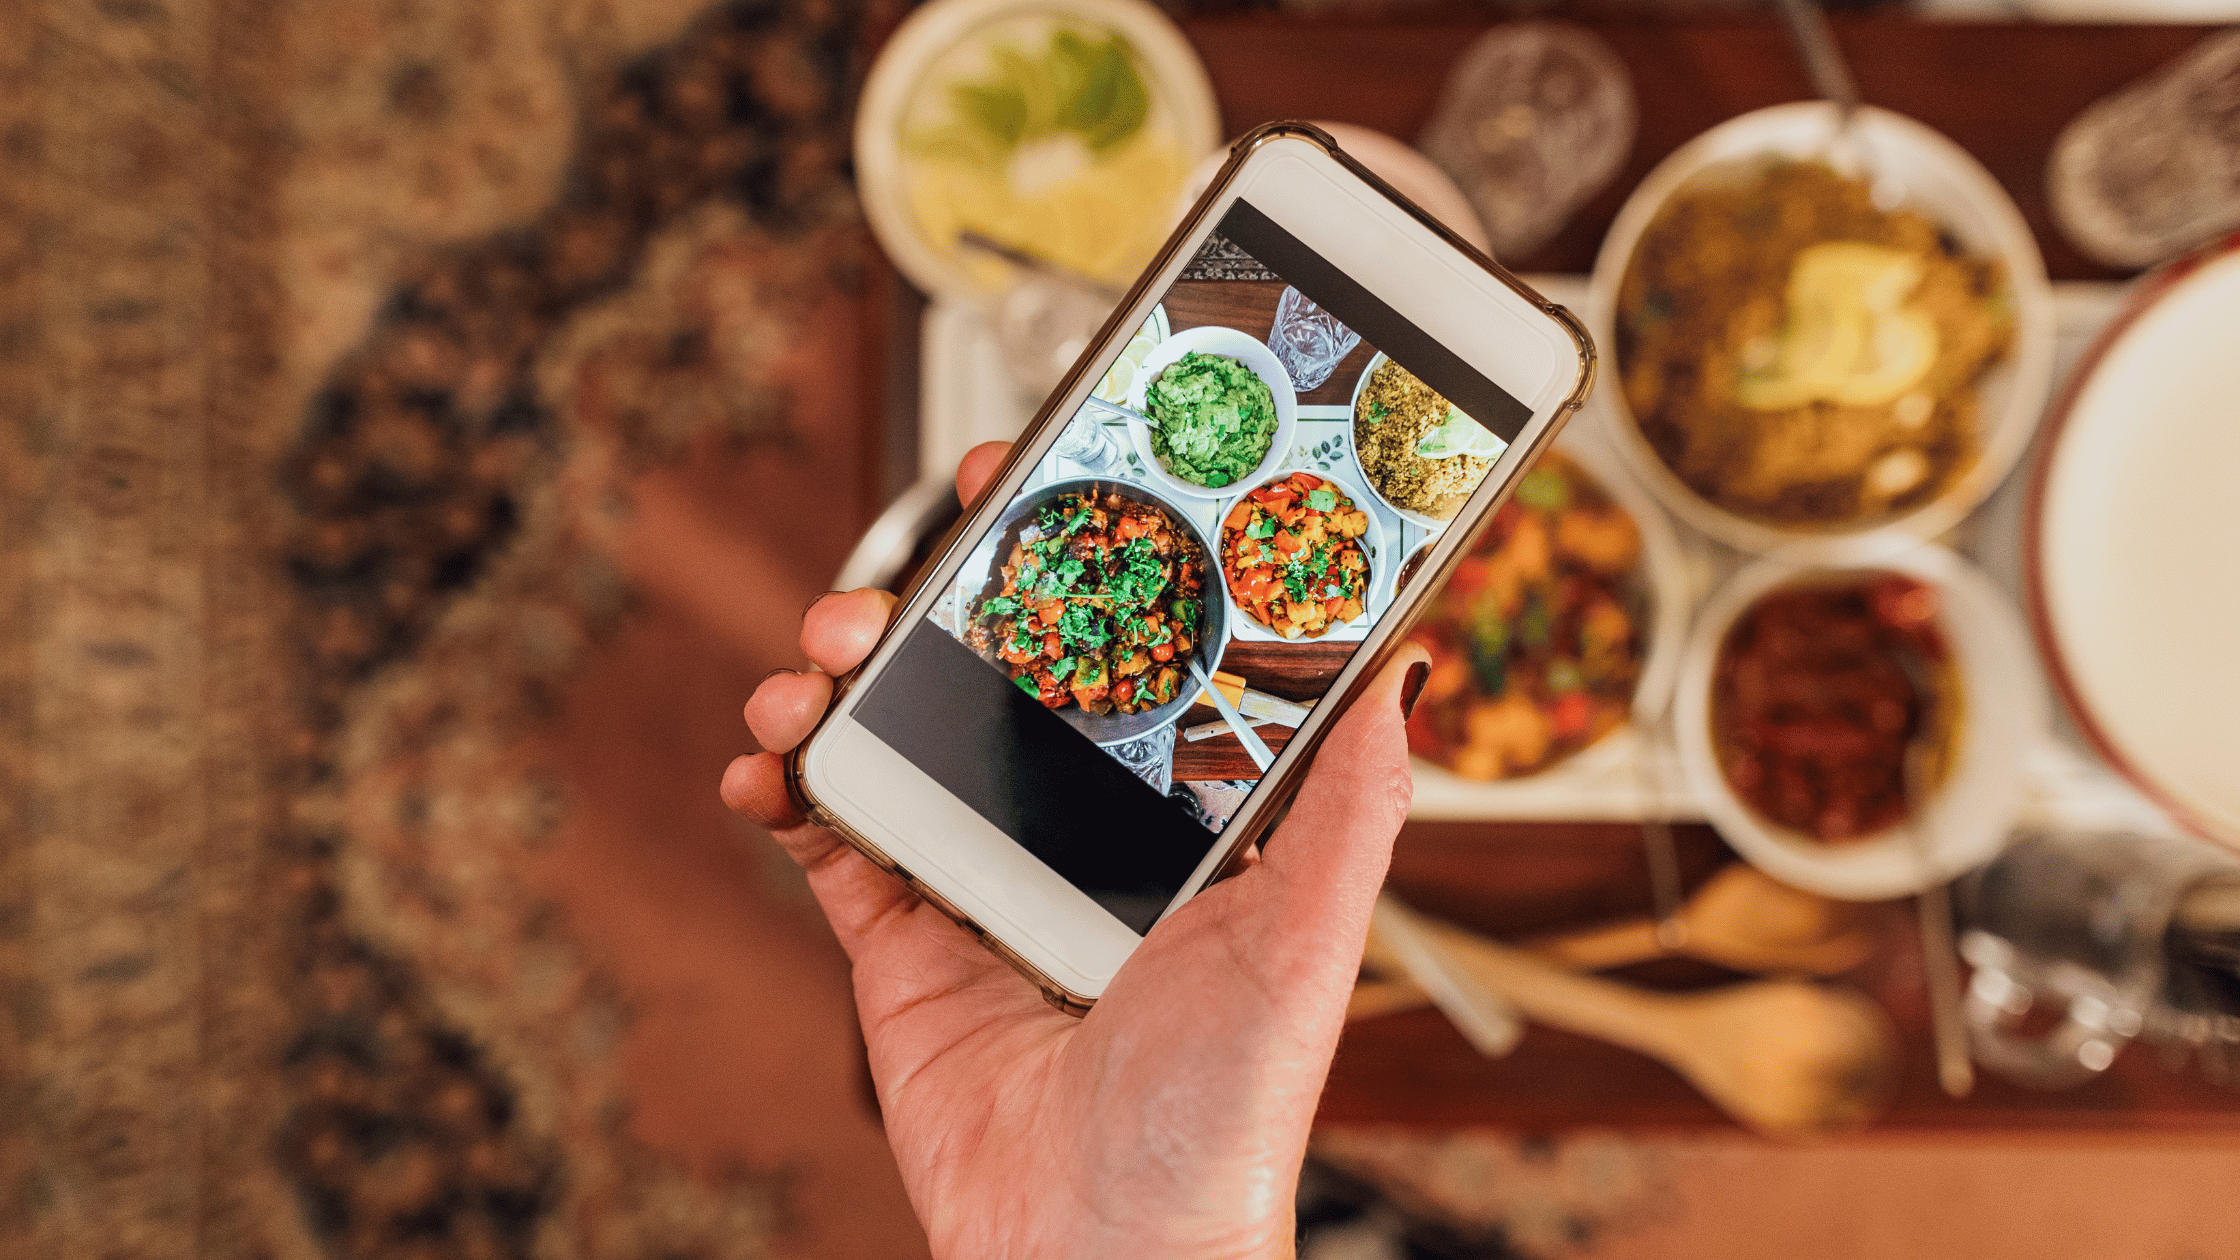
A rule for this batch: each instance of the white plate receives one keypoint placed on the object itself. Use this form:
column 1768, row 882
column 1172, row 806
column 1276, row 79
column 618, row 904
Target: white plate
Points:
column 2133, row 542
column 2002, row 717
column 1181, row 102
column 1243, row 625
column 1940, row 180
column 1227, row 343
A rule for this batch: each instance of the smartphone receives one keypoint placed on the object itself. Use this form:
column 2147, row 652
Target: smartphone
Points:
column 1314, row 387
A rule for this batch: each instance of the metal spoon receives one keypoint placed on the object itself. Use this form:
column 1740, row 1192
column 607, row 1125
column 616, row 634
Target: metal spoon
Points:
column 1940, row 957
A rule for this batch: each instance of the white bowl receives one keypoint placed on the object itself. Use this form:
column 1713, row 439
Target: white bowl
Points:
column 1663, row 570
column 2002, row 707
column 1243, row 625
column 1939, row 179
column 1353, row 453
column 1227, row 343
column 1181, row 100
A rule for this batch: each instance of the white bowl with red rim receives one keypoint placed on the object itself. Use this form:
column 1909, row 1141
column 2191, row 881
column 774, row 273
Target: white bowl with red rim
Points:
column 2129, row 541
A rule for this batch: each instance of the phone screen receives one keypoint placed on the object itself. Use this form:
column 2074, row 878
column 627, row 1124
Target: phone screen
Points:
column 1305, row 442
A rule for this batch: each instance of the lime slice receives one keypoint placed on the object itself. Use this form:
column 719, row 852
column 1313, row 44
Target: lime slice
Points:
column 1458, row 434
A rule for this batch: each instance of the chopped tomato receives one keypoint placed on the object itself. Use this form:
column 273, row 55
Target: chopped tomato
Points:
column 1259, row 584
column 1469, row 577
column 1288, row 543
column 1306, row 481
column 1239, row 516
column 1124, row 691
column 1331, row 606
column 1162, row 651
column 1572, row 712
column 1133, row 527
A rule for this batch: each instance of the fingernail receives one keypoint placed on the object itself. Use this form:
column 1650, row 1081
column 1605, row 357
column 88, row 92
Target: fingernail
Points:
column 813, row 603
column 1412, row 686
column 775, row 672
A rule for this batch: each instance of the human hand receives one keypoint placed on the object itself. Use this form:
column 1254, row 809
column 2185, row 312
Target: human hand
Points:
column 1173, row 1119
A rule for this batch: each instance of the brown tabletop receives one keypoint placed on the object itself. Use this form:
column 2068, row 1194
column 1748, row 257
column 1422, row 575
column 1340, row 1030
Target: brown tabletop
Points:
column 2002, row 91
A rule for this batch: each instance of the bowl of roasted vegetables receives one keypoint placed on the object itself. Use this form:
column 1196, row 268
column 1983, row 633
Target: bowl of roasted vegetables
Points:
column 1298, row 557
column 1535, row 652
column 1093, row 600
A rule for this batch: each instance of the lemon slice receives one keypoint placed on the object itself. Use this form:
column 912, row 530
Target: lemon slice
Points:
column 1117, row 381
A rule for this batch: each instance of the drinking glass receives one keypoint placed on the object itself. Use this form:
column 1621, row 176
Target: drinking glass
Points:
column 1309, row 341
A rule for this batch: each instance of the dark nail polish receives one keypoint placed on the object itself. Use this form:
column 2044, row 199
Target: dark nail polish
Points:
column 813, row 603
column 1412, row 686
column 774, row 673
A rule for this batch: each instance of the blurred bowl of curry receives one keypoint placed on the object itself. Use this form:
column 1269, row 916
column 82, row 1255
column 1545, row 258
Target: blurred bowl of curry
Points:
column 1564, row 619
column 1817, row 332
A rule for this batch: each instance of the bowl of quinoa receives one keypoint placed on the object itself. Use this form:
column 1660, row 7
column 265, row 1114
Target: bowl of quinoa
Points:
column 1392, row 412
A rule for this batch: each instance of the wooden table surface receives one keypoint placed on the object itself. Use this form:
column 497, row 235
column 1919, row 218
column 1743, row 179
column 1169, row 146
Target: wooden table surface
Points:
column 2003, row 92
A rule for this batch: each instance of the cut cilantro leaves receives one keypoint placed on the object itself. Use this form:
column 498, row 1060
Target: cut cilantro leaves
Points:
column 1324, row 500
column 1026, row 683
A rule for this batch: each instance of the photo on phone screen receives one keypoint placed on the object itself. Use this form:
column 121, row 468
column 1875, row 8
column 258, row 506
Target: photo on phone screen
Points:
column 1305, row 442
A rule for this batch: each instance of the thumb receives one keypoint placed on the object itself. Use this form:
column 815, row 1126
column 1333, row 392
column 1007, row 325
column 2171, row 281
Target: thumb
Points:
column 1327, row 860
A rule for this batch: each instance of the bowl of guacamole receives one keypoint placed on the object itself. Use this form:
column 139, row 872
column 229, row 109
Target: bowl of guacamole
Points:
column 1221, row 408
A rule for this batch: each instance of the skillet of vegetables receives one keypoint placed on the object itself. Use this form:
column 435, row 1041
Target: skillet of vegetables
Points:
column 1291, row 554
column 1093, row 603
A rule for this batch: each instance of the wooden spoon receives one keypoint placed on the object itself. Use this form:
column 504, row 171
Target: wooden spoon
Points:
column 1742, row 918
column 1788, row 1058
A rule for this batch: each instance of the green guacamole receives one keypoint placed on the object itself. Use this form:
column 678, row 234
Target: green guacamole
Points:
column 1214, row 419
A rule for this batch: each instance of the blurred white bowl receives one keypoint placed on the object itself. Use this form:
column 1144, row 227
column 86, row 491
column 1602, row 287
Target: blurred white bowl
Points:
column 2002, row 715
column 1227, row 343
column 1937, row 178
column 1659, row 579
column 929, row 40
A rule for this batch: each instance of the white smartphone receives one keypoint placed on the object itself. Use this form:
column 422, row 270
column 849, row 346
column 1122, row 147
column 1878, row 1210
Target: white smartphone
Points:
column 1314, row 387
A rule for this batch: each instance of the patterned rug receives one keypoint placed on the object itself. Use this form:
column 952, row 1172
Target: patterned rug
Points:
column 331, row 337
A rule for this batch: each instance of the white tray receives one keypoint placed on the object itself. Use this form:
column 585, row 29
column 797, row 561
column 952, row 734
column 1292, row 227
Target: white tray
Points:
column 966, row 398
